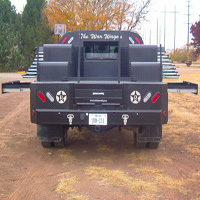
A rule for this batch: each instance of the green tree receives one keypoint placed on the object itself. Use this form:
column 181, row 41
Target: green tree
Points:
column 10, row 54
column 35, row 29
column 195, row 30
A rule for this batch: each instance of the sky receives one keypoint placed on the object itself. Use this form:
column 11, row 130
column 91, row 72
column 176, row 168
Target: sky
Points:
column 155, row 18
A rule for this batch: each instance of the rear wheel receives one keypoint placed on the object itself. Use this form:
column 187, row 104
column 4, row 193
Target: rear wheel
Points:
column 153, row 145
column 139, row 144
column 47, row 144
column 63, row 140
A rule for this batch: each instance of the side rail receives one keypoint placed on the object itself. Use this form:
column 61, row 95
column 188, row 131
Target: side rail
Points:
column 184, row 87
column 15, row 86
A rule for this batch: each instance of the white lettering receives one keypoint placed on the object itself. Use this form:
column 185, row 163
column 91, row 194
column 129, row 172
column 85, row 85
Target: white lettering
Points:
column 95, row 36
column 109, row 36
column 84, row 36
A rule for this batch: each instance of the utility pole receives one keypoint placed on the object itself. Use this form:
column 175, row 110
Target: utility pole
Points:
column 188, row 35
column 160, row 35
column 175, row 28
column 165, row 14
column 150, row 37
column 164, row 25
column 157, row 31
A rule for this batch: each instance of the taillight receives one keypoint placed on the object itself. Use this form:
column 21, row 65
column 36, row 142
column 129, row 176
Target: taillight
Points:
column 66, row 38
column 42, row 97
column 156, row 97
column 138, row 40
column 165, row 113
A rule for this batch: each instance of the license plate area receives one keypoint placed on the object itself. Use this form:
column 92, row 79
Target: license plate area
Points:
column 98, row 119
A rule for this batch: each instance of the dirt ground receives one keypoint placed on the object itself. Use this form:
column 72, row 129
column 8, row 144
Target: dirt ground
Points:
column 101, row 167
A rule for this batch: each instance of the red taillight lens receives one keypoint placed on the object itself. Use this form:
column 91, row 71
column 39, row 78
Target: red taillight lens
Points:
column 42, row 97
column 138, row 40
column 156, row 97
column 165, row 113
column 33, row 112
column 66, row 38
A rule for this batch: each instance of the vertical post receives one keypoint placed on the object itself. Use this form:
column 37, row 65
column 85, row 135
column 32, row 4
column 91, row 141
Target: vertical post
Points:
column 161, row 60
column 38, row 59
column 164, row 25
column 150, row 37
column 79, row 57
column 188, row 36
column 119, row 57
column 174, row 28
column 157, row 31
column 160, row 34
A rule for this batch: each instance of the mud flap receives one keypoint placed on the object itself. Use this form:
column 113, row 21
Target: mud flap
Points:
column 49, row 133
column 150, row 134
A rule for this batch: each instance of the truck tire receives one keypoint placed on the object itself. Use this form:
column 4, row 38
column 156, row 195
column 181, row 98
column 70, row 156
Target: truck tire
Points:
column 47, row 144
column 139, row 144
column 153, row 145
column 62, row 142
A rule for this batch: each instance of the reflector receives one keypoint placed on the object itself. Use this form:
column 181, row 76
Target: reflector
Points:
column 42, row 97
column 156, row 97
column 147, row 97
column 66, row 38
column 138, row 40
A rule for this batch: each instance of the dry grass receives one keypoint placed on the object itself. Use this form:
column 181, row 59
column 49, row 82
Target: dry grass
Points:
column 3, row 145
column 168, row 182
column 67, row 186
column 194, row 77
column 66, row 183
column 131, row 166
column 145, row 189
column 197, row 174
column 139, row 158
column 66, row 155
column 149, row 170
column 84, row 151
column 104, row 159
column 194, row 149
column 104, row 149
column 96, row 139
column 164, row 160
column 76, row 134
column 120, row 178
column 6, row 138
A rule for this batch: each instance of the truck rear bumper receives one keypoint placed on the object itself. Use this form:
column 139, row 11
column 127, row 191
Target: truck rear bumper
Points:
column 114, row 118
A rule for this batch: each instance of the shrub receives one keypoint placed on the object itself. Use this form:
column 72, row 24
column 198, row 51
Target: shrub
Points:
column 182, row 55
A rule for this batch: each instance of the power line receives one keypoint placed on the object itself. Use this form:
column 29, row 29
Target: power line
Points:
column 165, row 14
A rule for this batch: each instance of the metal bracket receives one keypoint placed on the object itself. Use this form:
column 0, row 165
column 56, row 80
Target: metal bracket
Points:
column 125, row 118
column 183, row 87
column 70, row 117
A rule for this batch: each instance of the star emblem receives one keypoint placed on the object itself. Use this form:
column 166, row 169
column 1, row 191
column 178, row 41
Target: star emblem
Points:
column 135, row 97
column 61, row 97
